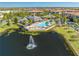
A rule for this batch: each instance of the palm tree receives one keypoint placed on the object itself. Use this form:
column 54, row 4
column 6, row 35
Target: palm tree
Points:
column 7, row 17
column 75, row 19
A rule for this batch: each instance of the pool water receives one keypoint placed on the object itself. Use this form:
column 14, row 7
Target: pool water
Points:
column 43, row 24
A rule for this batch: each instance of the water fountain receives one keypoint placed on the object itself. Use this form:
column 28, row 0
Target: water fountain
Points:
column 31, row 45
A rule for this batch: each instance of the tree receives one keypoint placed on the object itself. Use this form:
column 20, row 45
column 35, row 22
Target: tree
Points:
column 30, row 21
column 75, row 19
column 25, row 22
column 15, row 20
column 5, row 17
column 9, row 22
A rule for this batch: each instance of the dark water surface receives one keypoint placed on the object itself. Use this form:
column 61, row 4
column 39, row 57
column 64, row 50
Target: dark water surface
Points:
column 49, row 44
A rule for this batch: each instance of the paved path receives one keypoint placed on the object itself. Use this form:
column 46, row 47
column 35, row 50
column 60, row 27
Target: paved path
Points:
column 48, row 44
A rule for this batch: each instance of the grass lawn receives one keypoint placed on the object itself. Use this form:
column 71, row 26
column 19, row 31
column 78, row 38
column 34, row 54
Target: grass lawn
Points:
column 30, row 33
column 5, row 27
column 67, row 33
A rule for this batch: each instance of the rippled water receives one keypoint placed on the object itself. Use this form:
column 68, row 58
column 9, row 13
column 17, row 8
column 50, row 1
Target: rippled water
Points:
column 48, row 44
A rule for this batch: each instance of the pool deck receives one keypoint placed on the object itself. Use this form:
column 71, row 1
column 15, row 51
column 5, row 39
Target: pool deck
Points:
column 35, row 28
column 44, row 30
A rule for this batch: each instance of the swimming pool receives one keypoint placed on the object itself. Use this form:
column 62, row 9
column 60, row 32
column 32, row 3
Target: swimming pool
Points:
column 43, row 24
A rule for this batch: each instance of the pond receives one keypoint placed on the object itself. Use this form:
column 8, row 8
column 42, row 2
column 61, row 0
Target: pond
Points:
column 48, row 44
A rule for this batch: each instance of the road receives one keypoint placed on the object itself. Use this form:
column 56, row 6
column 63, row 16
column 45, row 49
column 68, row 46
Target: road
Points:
column 49, row 44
